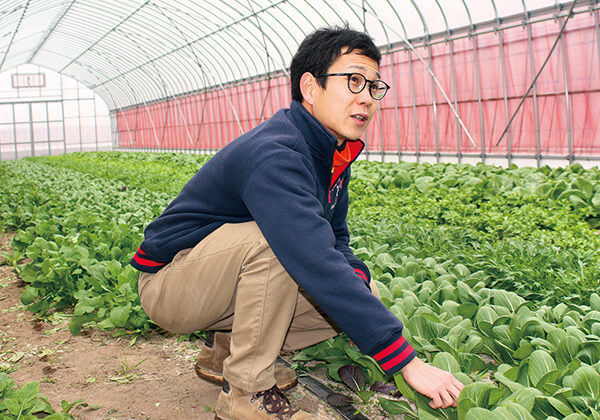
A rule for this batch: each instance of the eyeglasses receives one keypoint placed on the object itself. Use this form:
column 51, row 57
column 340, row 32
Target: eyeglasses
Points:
column 357, row 82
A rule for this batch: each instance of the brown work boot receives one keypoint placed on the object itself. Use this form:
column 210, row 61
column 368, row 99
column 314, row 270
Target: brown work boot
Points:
column 209, row 364
column 236, row 404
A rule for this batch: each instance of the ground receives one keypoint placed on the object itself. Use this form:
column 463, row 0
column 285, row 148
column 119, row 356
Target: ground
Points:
column 153, row 379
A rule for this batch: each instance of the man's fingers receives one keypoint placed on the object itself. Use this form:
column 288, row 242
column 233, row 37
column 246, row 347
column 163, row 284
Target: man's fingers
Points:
column 454, row 391
column 436, row 402
column 441, row 400
column 445, row 398
column 454, row 397
column 450, row 397
column 458, row 384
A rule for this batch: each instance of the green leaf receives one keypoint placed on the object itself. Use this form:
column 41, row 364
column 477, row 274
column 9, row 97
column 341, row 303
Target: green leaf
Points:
column 525, row 397
column 524, row 351
column 29, row 390
column 473, row 344
column 567, row 350
column 559, row 311
column 548, row 382
column 424, row 184
column 384, row 291
column 427, row 413
column 580, row 403
column 473, row 395
column 403, row 387
column 106, row 324
column 384, row 260
column 466, row 294
column 502, row 413
column 517, row 410
column 589, row 352
column 477, row 413
column 485, row 318
column 586, row 382
column 463, row 378
column 509, row 300
column 502, row 333
column 558, row 405
column 594, row 298
column 83, row 307
column 402, row 179
column 446, row 361
column 575, row 416
column 29, row 295
column 13, row 407
column 75, row 325
column 591, row 318
column 467, row 310
column 118, row 316
column 540, row 363
column 459, row 333
column 445, row 345
column 397, row 407
column 595, row 330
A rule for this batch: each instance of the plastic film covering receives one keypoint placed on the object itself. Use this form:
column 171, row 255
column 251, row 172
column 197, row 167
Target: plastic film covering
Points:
column 181, row 75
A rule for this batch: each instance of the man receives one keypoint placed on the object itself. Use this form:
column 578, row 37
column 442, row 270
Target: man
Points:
column 255, row 247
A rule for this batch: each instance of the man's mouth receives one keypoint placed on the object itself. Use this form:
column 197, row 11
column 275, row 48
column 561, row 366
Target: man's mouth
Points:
column 360, row 117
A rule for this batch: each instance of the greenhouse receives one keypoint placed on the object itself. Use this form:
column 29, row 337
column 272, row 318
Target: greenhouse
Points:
column 473, row 209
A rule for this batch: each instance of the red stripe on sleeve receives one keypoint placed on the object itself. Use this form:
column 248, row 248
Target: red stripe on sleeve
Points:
column 392, row 348
column 147, row 262
column 360, row 274
column 398, row 359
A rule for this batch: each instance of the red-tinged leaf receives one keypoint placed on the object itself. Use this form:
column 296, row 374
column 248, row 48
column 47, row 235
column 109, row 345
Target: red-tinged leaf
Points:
column 385, row 388
column 352, row 376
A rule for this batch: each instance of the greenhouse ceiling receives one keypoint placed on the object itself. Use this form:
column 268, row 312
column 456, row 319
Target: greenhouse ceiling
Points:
column 135, row 51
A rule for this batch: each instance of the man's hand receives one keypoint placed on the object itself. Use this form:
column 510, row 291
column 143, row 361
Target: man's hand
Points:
column 441, row 386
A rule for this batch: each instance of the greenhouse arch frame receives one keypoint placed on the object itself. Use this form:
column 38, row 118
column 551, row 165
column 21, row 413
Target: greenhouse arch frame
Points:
column 183, row 76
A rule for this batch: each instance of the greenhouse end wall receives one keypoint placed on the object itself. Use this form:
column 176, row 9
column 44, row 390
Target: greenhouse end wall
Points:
column 484, row 76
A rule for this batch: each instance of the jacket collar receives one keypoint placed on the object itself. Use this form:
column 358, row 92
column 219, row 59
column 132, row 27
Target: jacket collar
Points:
column 321, row 141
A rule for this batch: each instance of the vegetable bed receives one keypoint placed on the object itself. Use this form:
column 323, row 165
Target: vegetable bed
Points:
column 494, row 272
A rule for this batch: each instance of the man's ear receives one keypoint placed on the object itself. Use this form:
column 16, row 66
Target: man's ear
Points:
column 308, row 84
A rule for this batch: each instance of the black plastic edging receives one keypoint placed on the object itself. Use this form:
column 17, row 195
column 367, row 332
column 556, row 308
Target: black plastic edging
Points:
column 348, row 412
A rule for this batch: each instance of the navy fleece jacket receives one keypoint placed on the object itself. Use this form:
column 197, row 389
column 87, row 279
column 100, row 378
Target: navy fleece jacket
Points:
column 279, row 175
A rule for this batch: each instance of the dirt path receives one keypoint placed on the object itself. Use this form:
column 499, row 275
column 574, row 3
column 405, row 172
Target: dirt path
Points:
column 154, row 379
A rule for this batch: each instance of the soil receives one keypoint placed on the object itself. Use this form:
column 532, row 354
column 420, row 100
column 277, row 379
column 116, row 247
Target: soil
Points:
column 152, row 379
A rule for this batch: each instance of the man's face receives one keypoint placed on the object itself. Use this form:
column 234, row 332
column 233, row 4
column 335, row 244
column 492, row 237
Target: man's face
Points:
column 342, row 112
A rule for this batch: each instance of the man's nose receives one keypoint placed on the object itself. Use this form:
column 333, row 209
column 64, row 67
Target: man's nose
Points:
column 364, row 96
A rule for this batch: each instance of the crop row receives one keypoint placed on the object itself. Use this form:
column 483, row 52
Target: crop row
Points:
column 79, row 233
column 493, row 271
column 519, row 225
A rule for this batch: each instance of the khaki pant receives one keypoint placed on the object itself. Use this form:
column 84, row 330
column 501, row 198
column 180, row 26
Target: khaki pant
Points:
column 233, row 271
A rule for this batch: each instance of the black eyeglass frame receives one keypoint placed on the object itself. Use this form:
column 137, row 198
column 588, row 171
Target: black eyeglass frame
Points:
column 370, row 82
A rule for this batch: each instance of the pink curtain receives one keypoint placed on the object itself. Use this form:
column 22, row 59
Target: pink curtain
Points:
column 484, row 77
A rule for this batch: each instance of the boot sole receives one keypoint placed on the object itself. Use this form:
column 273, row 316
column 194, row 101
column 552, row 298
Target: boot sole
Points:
column 209, row 375
column 217, row 379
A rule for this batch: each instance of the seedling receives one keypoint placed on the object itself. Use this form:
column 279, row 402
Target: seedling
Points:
column 13, row 259
column 126, row 374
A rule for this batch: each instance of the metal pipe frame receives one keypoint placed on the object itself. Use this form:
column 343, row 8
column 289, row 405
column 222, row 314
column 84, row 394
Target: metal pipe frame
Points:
column 505, row 88
column 133, row 68
column 534, row 95
column 14, row 34
column 569, row 115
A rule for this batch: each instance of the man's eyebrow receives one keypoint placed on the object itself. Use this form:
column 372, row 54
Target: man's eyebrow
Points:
column 363, row 68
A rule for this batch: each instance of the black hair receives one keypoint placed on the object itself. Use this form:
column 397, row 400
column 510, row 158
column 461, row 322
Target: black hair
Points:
column 320, row 49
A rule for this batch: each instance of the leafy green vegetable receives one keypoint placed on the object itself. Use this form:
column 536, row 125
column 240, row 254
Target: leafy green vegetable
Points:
column 494, row 272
